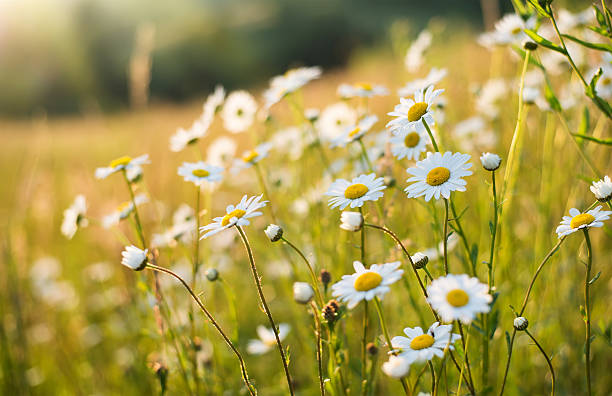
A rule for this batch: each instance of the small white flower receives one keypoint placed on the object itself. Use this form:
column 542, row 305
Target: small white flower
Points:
column 302, row 292
column 199, row 172
column 602, row 189
column 134, row 258
column 74, row 217
column 490, row 161
column 312, row 114
column 266, row 340
column 274, row 232
column 184, row 137
column 414, row 56
column 365, row 284
column 508, row 30
column 409, row 143
column 235, row 215
column 289, row 82
column 361, row 90
column 433, row 78
column 520, row 323
column 123, row 211
column 411, row 113
column 351, row 221
column 119, row 164
column 458, row 297
column 239, row 111
column 334, row 119
column 356, row 192
column 421, row 347
column 251, row 157
column 213, row 103
column 397, row 367
column 221, row 151
column 438, row 175
column 354, row 132
column 577, row 221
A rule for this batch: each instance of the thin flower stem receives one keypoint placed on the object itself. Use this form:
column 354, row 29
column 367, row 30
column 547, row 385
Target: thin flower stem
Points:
column 264, row 188
column 567, row 54
column 194, row 272
column 431, row 136
column 459, row 230
column 445, row 236
column 315, row 314
column 464, row 342
column 443, row 363
column 315, row 282
column 362, row 246
column 265, row 306
column 583, row 155
column 548, row 361
column 587, row 309
column 364, row 153
column 433, row 377
column 364, row 341
column 245, row 376
column 491, row 282
column 136, row 216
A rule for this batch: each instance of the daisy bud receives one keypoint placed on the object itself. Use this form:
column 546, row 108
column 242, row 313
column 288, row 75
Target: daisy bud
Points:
column 311, row 114
column 274, row 232
column 521, row 323
column 351, row 221
column 212, row 274
column 490, row 161
column 325, row 277
column 529, row 45
column 396, row 367
column 134, row 258
column 302, row 292
column 602, row 189
column 420, row 260
column 372, row 348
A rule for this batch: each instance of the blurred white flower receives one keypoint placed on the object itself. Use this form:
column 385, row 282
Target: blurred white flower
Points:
column 119, row 164
column 134, row 257
column 334, row 119
column 289, row 82
column 200, row 172
column 221, row 151
column 433, row 78
column 266, row 340
column 74, row 217
column 239, row 111
column 361, row 90
column 396, row 367
column 414, row 56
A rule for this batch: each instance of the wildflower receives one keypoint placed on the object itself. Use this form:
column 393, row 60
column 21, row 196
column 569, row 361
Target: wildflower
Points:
column 577, row 221
column 361, row 90
column 74, row 217
column 266, row 340
column 123, row 211
column 420, row 260
column 334, row 119
column 602, row 189
column 434, row 77
column 531, row 95
column 438, row 175
column 221, row 151
column 331, row 311
column 473, row 133
column 325, row 277
column 312, row 114
column 184, row 137
column 411, row 113
column 365, row 284
column 212, row 274
column 213, row 103
column 490, row 96
column 421, row 347
column 235, row 215
column 436, row 252
column 520, row 323
column 121, row 163
column 351, row 221
column 508, row 30
column 408, row 143
column 396, row 367
column 239, row 111
column 414, row 56
column 458, row 297
column 134, row 258
column 355, row 132
column 251, row 157
column 182, row 229
column 274, row 232
column 289, row 82
column 302, row 292
column 354, row 193
column 490, row 161
column 199, row 172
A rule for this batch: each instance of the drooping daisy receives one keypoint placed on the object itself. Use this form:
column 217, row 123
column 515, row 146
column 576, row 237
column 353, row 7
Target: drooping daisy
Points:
column 74, row 217
column 200, row 172
column 354, row 193
column 408, row 143
column 458, row 297
column 361, row 90
column 602, row 189
column 438, row 175
column 119, row 164
column 213, row 103
column 239, row 111
column 334, row 119
column 266, row 340
column 421, row 347
column 410, row 113
column 235, row 215
column 414, row 56
column 134, row 258
column 289, row 82
column 354, row 132
column 251, row 157
column 508, row 30
column 434, row 77
column 365, row 284
column 577, row 221
column 123, row 211
column 185, row 137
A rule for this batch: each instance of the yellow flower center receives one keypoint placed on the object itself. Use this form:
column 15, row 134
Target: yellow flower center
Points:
column 412, row 139
column 437, row 176
column 364, row 86
column 367, row 281
column 120, row 161
column 421, row 342
column 124, row 206
column 457, row 298
column 200, row 172
column 516, row 30
column 354, row 132
column 417, row 111
column 582, row 219
column 234, row 213
column 250, row 156
column 355, row 191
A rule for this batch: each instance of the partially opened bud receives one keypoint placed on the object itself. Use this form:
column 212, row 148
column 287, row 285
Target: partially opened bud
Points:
column 134, row 258
column 351, row 221
column 302, row 292
column 521, row 323
column 274, row 232
column 490, row 161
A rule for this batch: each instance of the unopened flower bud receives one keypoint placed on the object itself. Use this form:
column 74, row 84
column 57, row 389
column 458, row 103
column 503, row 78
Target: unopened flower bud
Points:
column 529, row 45
column 302, row 292
column 420, row 260
column 325, row 277
column 134, row 258
column 490, row 161
column 602, row 189
column 372, row 348
column 520, row 323
column 274, row 232
column 212, row 274
column 351, row 221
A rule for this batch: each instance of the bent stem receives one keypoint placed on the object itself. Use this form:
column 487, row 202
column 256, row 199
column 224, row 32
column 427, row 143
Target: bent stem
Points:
column 265, row 306
column 587, row 310
column 245, row 376
column 315, row 283
column 548, row 361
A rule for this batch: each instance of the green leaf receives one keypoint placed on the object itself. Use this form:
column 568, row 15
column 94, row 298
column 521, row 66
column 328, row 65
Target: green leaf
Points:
column 508, row 342
column 552, row 100
column 603, row 32
column 543, row 42
column 491, row 228
column 583, row 313
column 519, row 7
column 601, row 19
column 541, row 10
column 607, row 142
column 595, row 278
column 585, row 121
column 595, row 46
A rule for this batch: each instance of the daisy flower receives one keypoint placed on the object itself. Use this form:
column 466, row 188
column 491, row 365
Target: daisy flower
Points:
column 396, row 367
column 458, row 297
column 602, row 189
column 411, row 113
column 235, row 215
column 123, row 211
column 354, row 132
column 121, row 163
column 199, row 172
column 414, row 55
column 508, row 30
column 239, row 111
column 408, row 143
column 221, row 151
column 251, row 157
column 365, row 284
column 185, row 137
column 577, row 221
column 74, row 217
column 361, row 90
column 354, row 193
column 421, row 347
column 134, row 258
column 334, row 119
column 266, row 340
column 289, row 82
column 434, row 77
column 213, row 103
column 438, row 175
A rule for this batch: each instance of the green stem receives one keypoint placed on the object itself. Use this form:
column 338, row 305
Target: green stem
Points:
column 567, row 54
column 464, row 342
column 431, row 136
column 587, row 310
column 445, row 236
column 264, row 188
column 315, row 314
column 136, row 216
column 491, row 281
column 315, row 282
column 364, row 153
column 362, row 246
column 548, row 361
column 364, row 341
